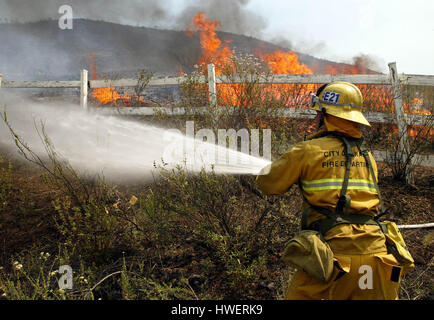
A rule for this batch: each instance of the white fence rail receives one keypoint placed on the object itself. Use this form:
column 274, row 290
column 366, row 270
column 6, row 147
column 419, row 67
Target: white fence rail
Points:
column 393, row 78
column 379, row 79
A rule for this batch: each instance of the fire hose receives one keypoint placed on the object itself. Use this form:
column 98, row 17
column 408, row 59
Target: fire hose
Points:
column 416, row 226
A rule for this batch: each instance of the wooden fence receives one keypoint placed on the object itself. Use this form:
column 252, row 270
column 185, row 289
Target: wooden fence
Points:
column 393, row 78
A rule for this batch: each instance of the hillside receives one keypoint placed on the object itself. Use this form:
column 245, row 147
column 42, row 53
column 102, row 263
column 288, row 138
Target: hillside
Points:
column 42, row 51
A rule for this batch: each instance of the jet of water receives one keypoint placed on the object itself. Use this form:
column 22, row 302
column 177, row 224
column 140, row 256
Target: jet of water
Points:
column 117, row 148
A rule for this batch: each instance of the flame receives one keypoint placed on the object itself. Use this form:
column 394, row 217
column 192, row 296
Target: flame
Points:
column 90, row 61
column 212, row 49
column 417, row 101
column 281, row 62
column 379, row 98
column 107, row 94
column 181, row 72
column 110, row 95
column 285, row 63
column 416, row 106
column 417, row 130
column 357, row 68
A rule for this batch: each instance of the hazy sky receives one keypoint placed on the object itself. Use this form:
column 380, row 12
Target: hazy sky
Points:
column 400, row 31
column 386, row 30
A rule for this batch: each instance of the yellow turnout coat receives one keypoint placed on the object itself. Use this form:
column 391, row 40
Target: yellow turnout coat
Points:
column 363, row 268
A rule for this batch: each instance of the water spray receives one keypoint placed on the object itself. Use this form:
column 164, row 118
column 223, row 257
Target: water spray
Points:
column 119, row 148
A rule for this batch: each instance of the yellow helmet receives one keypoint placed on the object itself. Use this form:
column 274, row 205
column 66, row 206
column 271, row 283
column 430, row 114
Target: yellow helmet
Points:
column 340, row 99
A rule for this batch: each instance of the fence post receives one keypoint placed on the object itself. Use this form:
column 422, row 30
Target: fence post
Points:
column 0, row 80
column 83, row 88
column 212, row 88
column 400, row 118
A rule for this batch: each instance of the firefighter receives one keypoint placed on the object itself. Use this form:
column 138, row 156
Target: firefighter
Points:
column 362, row 267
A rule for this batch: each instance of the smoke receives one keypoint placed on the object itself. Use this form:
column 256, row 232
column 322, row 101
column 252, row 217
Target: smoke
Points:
column 366, row 62
column 234, row 16
column 125, row 12
column 44, row 52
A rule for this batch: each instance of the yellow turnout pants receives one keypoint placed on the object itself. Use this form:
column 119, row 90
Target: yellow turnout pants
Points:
column 362, row 269
column 368, row 277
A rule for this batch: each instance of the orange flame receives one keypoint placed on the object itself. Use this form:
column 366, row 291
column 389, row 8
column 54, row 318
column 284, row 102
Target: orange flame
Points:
column 281, row 62
column 108, row 94
column 212, row 49
column 378, row 97
column 285, row 63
